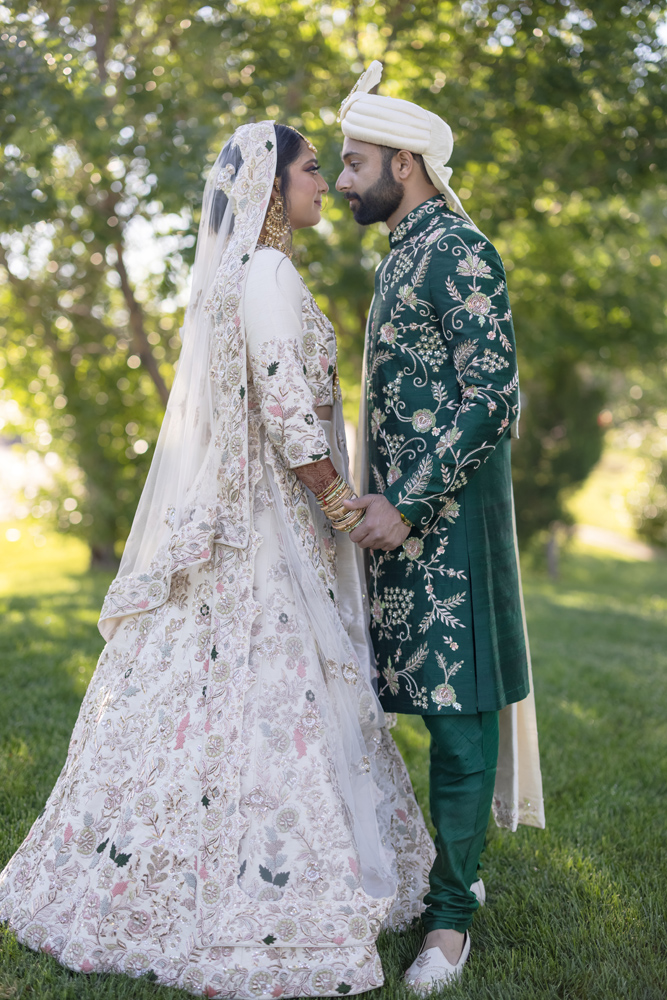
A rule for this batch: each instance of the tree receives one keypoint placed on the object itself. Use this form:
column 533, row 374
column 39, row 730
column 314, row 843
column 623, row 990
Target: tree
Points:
column 117, row 110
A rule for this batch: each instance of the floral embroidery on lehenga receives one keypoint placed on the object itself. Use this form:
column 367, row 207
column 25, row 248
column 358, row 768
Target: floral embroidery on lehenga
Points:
column 197, row 829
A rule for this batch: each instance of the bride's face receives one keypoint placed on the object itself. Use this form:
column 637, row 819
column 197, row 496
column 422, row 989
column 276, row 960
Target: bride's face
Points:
column 305, row 189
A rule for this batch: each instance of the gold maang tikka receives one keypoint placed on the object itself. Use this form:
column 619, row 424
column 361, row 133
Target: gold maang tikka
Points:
column 277, row 230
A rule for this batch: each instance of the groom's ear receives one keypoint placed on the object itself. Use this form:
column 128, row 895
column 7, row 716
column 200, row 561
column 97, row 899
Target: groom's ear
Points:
column 406, row 164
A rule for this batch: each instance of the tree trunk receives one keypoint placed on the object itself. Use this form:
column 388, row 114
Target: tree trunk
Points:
column 141, row 345
column 102, row 556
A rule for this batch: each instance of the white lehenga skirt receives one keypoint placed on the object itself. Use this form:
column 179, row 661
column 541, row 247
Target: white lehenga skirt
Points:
column 112, row 876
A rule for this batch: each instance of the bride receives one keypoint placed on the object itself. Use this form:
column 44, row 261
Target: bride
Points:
column 233, row 815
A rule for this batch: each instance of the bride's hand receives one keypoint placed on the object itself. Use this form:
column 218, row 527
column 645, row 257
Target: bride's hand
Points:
column 382, row 527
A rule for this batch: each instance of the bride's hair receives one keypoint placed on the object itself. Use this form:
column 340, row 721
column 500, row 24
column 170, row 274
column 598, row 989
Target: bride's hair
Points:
column 289, row 145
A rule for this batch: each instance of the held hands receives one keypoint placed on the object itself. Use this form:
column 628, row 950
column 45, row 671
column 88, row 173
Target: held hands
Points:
column 382, row 527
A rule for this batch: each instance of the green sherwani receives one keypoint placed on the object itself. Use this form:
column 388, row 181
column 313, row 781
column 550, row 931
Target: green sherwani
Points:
column 442, row 393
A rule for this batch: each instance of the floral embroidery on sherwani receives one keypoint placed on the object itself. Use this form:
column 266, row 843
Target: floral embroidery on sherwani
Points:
column 441, row 394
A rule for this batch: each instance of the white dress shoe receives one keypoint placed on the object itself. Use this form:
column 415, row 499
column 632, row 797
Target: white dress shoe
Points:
column 478, row 889
column 431, row 970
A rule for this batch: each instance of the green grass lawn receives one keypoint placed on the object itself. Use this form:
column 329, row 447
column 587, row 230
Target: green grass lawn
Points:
column 578, row 910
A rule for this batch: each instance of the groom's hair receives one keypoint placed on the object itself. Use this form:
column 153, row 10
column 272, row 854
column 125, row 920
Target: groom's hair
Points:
column 389, row 152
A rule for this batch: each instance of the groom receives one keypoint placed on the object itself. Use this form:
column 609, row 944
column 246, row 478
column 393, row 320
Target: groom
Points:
column 441, row 394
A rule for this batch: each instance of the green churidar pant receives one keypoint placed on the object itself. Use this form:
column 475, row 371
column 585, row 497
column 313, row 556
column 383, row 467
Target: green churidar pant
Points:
column 464, row 756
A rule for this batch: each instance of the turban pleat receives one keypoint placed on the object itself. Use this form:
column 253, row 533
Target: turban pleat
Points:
column 390, row 121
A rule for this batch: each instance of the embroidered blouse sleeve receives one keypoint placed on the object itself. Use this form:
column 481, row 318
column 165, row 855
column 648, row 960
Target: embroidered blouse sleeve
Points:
column 274, row 336
column 468, row 295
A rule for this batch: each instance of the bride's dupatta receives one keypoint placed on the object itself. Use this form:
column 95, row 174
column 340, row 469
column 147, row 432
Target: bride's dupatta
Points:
column 198, row 496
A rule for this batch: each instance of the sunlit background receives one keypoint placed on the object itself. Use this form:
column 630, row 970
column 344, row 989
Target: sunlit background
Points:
column 112, row 114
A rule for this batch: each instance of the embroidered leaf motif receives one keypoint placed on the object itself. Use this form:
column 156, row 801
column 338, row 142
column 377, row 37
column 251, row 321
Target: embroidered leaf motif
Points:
column 269, row 145
column 420, row 273
column 242, row 391
column 463, row 352
column 379, row 359
column 512, row 384
column 418, row 482
column 281, row 879
column 453, row 290
column 214, row 653
column 265, row 874
column 102, row 846
column 273, row 368
column 379, row 481
column 442, row 611
column 120, row 859
column 269, row 939
column 205, row 801
column 415, row 660
column 245, row 258
column 449, row 671
column 439, row 392
column 343, row 988
column 242, row 869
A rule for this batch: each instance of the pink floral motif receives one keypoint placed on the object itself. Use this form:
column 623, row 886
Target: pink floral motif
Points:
column 423, row 420
column 169, row 791
column 478, row 304
column 413, row 547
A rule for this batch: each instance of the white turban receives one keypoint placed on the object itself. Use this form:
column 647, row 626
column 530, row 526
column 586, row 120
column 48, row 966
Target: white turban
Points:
column 388, row 121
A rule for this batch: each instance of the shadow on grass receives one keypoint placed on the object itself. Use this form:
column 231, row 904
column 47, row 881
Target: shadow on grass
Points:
column 574, row 912
column 49, row 646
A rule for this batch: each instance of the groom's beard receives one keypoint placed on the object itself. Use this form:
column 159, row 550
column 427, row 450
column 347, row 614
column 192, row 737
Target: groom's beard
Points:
column 380, row 201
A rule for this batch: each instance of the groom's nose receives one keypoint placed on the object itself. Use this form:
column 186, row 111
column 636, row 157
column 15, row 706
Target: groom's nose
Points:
column 343, row 183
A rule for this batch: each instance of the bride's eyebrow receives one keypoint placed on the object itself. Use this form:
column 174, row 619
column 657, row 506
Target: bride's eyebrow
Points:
column 309, row 162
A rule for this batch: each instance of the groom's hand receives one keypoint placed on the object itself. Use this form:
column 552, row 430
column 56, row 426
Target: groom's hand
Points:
column 382, row 527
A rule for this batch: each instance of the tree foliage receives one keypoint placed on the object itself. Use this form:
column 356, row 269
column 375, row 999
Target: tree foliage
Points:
column 114, row 111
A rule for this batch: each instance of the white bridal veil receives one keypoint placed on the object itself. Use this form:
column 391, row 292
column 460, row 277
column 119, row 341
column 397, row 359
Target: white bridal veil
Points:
column 196, row 492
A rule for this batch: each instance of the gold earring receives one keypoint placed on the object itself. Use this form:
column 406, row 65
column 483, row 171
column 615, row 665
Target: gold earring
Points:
column 277, row 230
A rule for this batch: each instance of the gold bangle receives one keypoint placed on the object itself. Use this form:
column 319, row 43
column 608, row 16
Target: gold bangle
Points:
column 405, row 520
column 347, row 518
column 328, row 491
column 333, row 496
column 350, row 525
column 333, row 506
column 337, row 509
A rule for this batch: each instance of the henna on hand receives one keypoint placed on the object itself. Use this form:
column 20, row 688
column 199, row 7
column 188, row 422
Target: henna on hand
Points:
column 316, row 475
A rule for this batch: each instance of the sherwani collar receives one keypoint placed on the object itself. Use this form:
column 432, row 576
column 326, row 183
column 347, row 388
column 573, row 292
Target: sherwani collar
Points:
column 415, row 219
